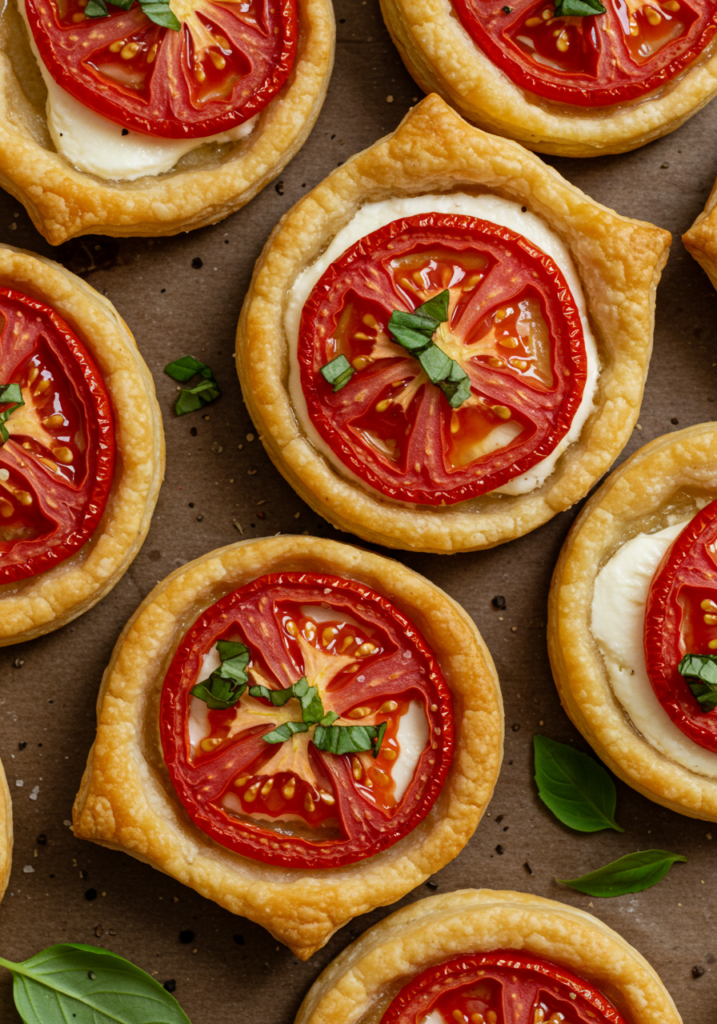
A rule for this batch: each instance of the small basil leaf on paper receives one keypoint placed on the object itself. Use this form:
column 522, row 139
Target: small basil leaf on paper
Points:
column 338, row 372
column 76, row 984
column 632, row 873
column 182, row 370
column 349, row 739
column 285, row 732
column 700, row 671
column 576, row 788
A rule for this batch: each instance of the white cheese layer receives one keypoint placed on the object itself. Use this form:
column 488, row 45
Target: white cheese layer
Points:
column 98, row 146
column 198, row 711
column 412, row 738
column 618, row 622
column 434, row 1017
column 373, row 216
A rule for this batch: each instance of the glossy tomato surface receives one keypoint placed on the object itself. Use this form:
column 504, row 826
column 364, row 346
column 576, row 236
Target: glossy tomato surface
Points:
column 513, row 326
column 56, row 468
column 290, row 803
column 221, row 68
column 502, row 987
column 681, row 618
column 637, row 46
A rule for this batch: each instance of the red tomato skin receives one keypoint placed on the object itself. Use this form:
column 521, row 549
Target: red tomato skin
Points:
column 521, row 978
column 447, row 487
column 262, row 844
column 490, row 28
column 687, row 567
column 29, row 558
column 176, row 116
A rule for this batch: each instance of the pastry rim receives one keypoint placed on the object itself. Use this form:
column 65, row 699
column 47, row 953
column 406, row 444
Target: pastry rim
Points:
column 701, row 239
column 6, row 835
column 123, row 804
column 448, row 61
column 64, row 202
column 433, row 146
column 368, row 974
column 53, row 598
column 640, row 487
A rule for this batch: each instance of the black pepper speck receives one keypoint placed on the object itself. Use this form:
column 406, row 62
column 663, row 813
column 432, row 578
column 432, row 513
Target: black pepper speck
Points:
column 239, row 939
column 22, row 744
column 432, row 885
column 499, row 850
column 186, row 936
column 170, row 985
column 499, row 602
column 41, row 839
column 91, row 894
column 197, row 263
column 697, row 972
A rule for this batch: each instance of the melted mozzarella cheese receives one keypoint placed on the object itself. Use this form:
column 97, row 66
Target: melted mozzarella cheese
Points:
column 434, row 1017
column 198, row 711
column 98, row 146
column 412, row 737
column 618, row 622
column 373, row 216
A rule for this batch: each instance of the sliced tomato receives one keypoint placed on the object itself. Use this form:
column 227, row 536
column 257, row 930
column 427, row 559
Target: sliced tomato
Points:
column 224, row 65
column 637, row 46
column 502, row 987
column 681, row 618
column 290, row 803
column 513, row 326
column 56, row 468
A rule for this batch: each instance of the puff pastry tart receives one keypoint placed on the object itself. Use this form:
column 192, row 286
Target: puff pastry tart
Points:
column 5, row 832
column 701, row 240
column 151, row 117
column 297, row 729
column 633, row 622
column 81, row 446
column 486, row 957
column 571, row 77
column 431, row 346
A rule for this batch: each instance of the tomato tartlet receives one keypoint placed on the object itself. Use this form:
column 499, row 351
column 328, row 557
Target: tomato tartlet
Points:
column 81, row 446
column 431, row 346
column 5, row 832
column 632, row 625
column 487, row 957
column 297, row 729
column 701, row 239
column 134, row 117
column 570, row 77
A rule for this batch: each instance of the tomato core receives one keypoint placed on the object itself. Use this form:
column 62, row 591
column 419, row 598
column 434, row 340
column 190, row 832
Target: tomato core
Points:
column 681, row 618
column 502, row 987
column 224, row 65
column 292, row 803
column 56, row 468
column 637, row 46
column 513, row 326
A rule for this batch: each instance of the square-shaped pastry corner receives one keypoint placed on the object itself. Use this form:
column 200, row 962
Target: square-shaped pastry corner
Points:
column 197, row 104
column 445, row 343
column 81, row 446
column 297, row 729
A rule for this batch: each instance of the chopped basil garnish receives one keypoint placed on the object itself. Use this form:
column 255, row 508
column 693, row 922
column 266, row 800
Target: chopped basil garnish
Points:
column 577, row 8
column 338, row 372
column 191, row 399
column 285, row 732
column 349, row 739
column 700, row 670
column 312, row 708
column 414, row 331
column 9, row 393
column 226, row 684
column 157, row 11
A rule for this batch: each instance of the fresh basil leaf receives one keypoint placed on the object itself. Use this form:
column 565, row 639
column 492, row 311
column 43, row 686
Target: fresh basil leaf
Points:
column 161, row 14
column 230, row 649
column 329, row 717
column 578, row 8
column 436, row 364
column 312, row 708
column 184, row 369
column 349, row 739
column 338, row 372
column 576, row 788
column 632, row 873
column 76, row 984
column 191, row 399
column 96, row 9
column 9, row 393
column 437, row 307
column 277, row 697
column 285, row 732
column 700, row 670
column 412, row 340
column 217, row 693
column 124, row 4
column 457, row 386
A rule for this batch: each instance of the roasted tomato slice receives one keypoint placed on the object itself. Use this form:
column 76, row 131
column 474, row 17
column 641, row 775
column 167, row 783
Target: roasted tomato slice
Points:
column 681, row 618
column 289, row 802
column 513, row 326
column 502, row 987
column 224, row 65
column 56, row 468
column 635, row 47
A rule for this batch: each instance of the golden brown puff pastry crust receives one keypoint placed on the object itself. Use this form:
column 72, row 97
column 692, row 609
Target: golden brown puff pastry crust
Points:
column 45, row 602
column 671, row 476
column 619, row 262
column 442, row 57
column 5, row 832
column 127, row 802
column 701, row 240
column 206, row 186
column 359, row 984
